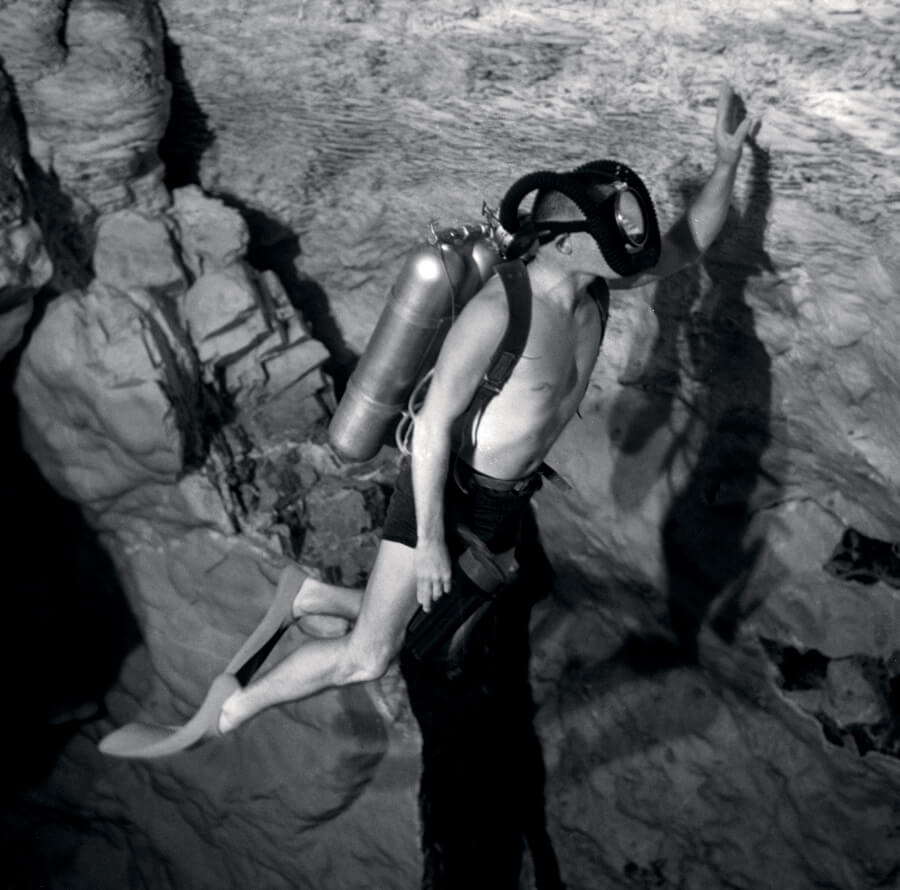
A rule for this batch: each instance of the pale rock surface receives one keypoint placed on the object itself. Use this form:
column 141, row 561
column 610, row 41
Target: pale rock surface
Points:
column 91, row 397
column 134, row 250
column 217, row 309
column 742, row 418
column 31, row 44
column 212, row 236
column 248, row 336
column 115, row 396
column 92, row 84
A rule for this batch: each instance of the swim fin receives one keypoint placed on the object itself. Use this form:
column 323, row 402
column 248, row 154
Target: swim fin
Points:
column 148, row 741
column 278, row 617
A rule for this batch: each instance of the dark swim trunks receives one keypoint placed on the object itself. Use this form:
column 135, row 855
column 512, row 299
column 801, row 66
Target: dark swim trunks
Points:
column 491, row 508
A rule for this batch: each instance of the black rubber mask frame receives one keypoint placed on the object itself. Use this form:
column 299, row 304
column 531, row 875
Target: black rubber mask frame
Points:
column 599, row 215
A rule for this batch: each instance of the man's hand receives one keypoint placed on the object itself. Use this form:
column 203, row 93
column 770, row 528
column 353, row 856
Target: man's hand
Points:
column 729, row 134
column 432, row 572
column 695, row 231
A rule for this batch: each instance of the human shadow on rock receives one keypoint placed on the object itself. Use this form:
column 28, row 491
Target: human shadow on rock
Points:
column 482, row 785
column 725, row 380
column 68, row 624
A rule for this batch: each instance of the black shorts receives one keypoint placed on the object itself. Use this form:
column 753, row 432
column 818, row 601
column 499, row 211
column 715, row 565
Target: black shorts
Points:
column 492, row 509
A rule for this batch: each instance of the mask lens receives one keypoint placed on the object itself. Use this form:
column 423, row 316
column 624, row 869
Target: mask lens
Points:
column 631, row 218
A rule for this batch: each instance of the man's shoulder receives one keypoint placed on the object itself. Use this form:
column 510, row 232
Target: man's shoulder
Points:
column 489, row 306
column 475, row 333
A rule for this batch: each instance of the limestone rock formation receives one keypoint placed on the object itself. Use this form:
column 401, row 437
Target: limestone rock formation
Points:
column 93, row 88
column 126, row 395
column 716, row 673
column 211, row 236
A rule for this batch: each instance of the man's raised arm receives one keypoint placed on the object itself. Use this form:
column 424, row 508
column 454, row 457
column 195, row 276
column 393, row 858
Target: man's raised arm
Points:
column 698, row 227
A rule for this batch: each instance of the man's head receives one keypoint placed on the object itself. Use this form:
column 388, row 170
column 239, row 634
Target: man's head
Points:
column 604, row 202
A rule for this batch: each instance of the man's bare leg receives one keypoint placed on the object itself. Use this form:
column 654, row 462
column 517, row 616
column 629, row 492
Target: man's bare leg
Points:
column 387, row 605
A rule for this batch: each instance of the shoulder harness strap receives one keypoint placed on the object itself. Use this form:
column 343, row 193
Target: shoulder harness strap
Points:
column 514, row 276
column 517, row 286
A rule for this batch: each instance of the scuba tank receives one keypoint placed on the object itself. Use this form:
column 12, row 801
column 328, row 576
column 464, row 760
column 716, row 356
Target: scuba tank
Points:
column 437, row 279
column 441, row 276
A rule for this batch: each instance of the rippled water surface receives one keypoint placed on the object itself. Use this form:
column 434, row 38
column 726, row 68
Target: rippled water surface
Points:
column 358, row 122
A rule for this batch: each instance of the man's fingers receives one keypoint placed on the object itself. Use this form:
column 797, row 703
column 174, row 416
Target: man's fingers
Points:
column 423, row 595
column 727, row 114
column 740, row 134
column 430, row 590
column 441, row 586
column 725, row 94
column 732, row 143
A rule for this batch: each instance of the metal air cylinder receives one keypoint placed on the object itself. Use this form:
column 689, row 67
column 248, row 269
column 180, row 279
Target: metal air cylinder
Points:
column 435, row 282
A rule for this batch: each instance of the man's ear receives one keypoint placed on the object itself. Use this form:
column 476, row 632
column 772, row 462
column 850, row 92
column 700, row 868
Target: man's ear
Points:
column 564, row 244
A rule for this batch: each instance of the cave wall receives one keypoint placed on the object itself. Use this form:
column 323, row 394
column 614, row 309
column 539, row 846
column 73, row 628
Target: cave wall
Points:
column 210, row 201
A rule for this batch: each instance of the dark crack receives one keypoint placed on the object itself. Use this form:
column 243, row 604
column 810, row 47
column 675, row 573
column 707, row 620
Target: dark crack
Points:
column 855, row 699
column 867, row 560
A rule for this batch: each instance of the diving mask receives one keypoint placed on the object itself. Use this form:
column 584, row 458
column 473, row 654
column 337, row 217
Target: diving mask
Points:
column 616, row 207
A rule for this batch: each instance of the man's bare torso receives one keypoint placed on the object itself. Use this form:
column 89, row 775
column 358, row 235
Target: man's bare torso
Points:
column 520, row 424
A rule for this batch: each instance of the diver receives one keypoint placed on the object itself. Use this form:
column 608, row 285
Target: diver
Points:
column 472, row 456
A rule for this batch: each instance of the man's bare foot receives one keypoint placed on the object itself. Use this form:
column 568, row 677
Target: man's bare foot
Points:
column 278, row 616
column 307, row 598
column 318, row 599
column 149, row 741
column 227, row 715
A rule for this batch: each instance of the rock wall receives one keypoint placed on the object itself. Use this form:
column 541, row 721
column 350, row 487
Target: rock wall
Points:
column 25, row 266
column 734, row 481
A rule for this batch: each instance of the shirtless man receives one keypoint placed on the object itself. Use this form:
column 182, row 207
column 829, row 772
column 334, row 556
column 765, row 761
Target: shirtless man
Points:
column 503, row 447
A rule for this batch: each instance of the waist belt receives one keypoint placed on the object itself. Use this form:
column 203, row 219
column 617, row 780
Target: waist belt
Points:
column 466, row 475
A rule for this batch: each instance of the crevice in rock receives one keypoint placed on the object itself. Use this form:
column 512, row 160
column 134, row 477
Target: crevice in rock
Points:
column 856, row 699
column 649, row 877
column 13, row 198
column 202, row 410
column 799, row 670
column 231, row 459
column 867, row 560
column 63, row 24
column 66, row 235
